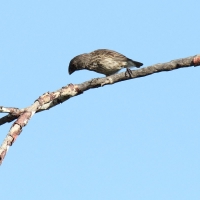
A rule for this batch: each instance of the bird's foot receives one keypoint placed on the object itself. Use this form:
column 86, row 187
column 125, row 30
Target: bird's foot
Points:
column 128, row 73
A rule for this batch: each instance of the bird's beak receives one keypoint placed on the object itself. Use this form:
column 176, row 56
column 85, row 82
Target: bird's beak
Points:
column 70, row 72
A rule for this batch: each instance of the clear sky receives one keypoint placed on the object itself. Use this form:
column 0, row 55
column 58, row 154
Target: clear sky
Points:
column 138, row 139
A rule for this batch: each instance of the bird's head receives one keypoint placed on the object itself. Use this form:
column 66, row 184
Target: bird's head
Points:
column 72, row 67
column 78, row 63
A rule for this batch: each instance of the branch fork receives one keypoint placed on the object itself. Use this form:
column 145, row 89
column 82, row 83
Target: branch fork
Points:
column 51, row 99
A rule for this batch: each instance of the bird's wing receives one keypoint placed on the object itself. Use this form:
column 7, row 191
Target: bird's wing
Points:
column 105, row 53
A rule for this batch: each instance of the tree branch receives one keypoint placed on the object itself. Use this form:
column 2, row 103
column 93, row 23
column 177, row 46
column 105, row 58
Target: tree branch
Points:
column 49, row 100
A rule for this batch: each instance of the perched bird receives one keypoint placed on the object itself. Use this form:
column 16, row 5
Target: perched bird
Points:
column 102, row 61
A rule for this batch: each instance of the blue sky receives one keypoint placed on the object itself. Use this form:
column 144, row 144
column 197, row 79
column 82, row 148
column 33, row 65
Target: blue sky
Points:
column 137, row 139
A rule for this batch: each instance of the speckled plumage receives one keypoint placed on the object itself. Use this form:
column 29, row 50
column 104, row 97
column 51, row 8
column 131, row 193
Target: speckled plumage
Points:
column 102, row 61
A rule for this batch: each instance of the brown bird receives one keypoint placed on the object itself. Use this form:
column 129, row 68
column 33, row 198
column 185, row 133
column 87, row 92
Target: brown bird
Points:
column 102, row 61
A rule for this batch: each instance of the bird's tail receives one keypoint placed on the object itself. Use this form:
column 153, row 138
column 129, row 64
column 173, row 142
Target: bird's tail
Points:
column 133, row 63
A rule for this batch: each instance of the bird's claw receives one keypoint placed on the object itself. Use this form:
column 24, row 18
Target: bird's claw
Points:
column 128, row 73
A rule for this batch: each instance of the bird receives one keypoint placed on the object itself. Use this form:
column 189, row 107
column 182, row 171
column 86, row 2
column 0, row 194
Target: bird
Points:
column 103, row 61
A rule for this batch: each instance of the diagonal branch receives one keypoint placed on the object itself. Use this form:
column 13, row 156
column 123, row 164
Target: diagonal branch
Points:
column 13, row 114
column 51, row 99
column 6, row 119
